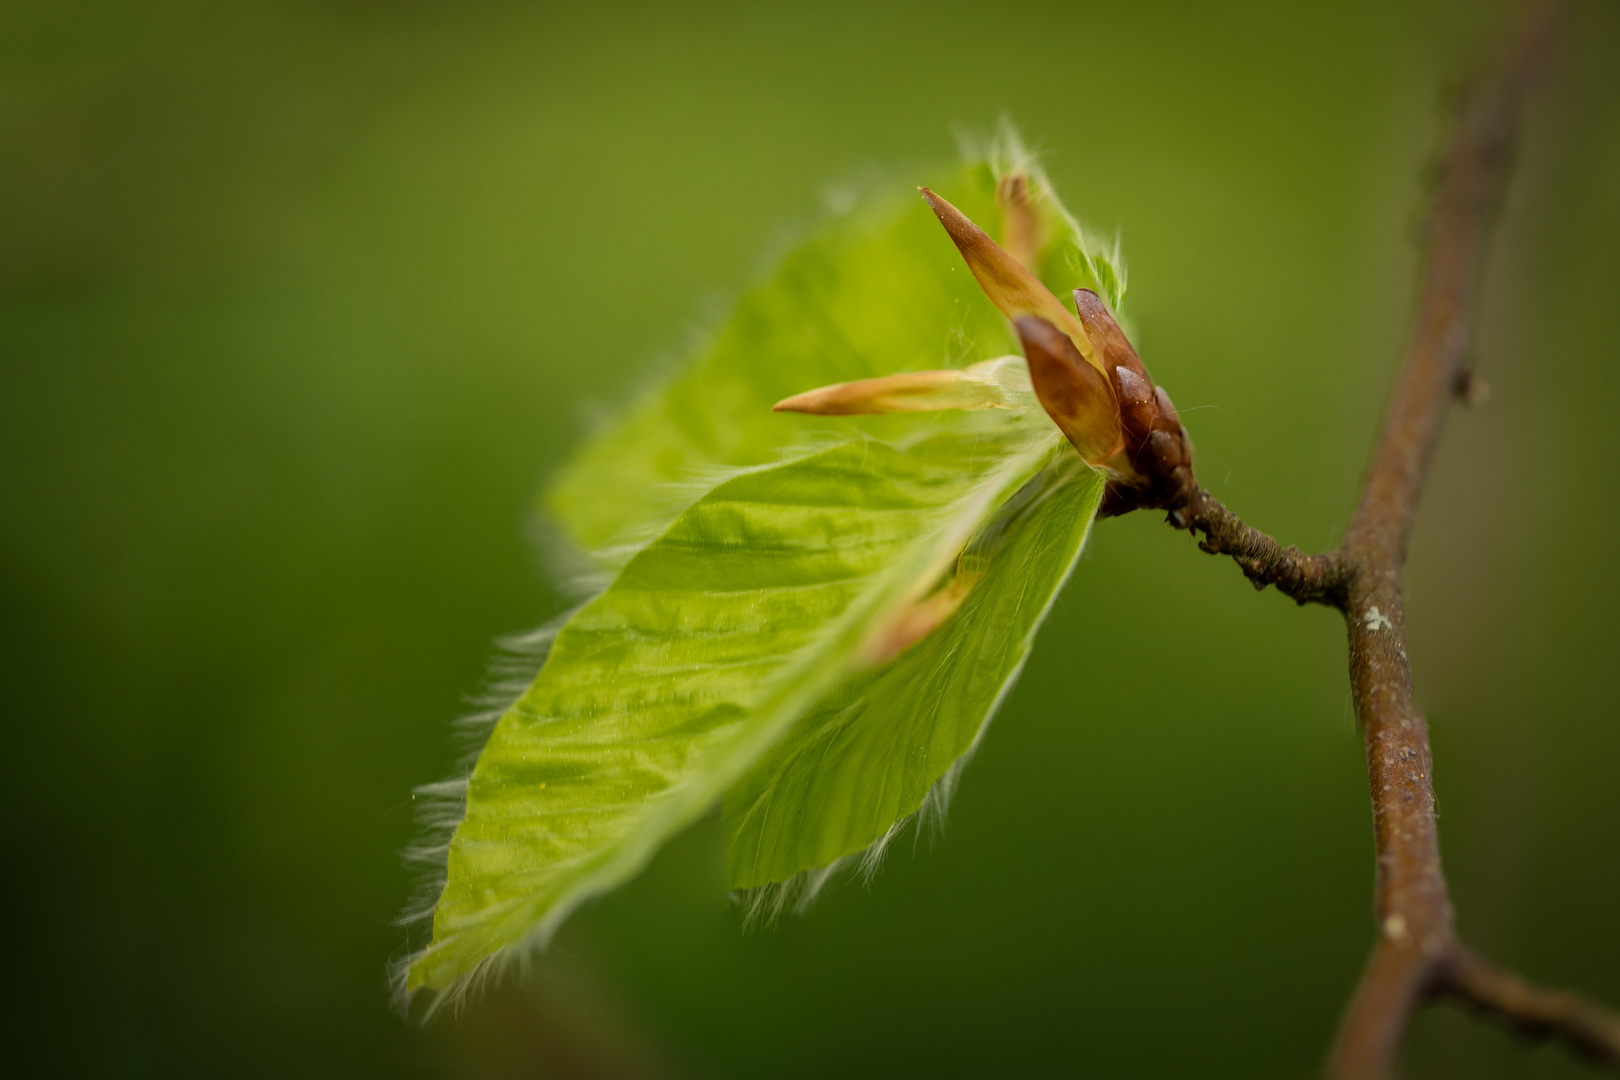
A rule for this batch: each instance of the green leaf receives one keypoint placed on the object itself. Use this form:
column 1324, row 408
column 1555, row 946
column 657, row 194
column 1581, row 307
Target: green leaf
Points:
column 874, row 748
column 716, row 637
column 879, row 290
column 809, row 618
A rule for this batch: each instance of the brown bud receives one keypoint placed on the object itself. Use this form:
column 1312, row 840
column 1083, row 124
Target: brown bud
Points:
column 1163, row 452
column 1166, row 410
column 1156, row 466
column 1113, row 347
column 1073, row 393
column 1138, row 408
column 1133, row 389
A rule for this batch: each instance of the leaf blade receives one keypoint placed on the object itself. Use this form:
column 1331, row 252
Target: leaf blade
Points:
column 877, row 292
column 867, row 756
column 663, row 691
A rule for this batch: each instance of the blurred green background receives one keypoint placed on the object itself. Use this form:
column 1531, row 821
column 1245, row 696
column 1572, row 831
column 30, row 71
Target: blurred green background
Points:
column 300, row 302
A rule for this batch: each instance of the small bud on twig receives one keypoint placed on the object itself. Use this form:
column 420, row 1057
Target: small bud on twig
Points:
column 1157, row 470
column 1083, row 369
column 1073, row 393
column 1472, row 390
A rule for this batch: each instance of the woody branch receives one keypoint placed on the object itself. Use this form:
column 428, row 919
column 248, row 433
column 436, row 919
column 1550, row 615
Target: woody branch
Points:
column 1418, row 955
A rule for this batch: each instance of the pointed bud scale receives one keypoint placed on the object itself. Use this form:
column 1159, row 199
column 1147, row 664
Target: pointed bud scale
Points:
column 1021, row 231
column 984, row 385
column 1073, row 393
column 1006, row 281
column 1157, row 465
column 1113, row 347
column 1138, row 406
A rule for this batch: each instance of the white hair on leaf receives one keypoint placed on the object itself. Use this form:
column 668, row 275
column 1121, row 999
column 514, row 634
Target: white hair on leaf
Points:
column 763, row 906
column 439, row 807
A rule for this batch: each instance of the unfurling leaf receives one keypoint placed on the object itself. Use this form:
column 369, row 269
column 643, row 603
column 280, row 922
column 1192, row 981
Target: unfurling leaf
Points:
column 712, row 642
column 806, row 615
column 881, row 743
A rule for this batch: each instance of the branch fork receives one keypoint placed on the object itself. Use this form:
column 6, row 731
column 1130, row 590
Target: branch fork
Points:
column 1090, row 381
column 1418, row 956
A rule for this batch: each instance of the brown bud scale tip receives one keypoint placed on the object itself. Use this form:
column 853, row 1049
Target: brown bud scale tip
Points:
column 1009, row 284
column 1156, row 470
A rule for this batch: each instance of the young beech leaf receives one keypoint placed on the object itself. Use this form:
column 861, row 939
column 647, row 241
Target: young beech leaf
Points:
column 877, row 291
column 808, row 618
column 712, row 641
column 869, row 753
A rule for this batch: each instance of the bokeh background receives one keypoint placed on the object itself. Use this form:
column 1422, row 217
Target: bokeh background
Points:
column 300, row 303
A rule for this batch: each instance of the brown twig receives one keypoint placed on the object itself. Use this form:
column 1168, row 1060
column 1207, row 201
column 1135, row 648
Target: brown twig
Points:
column 1318, row 579
column 1417, row 956
column 1535, row 1012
